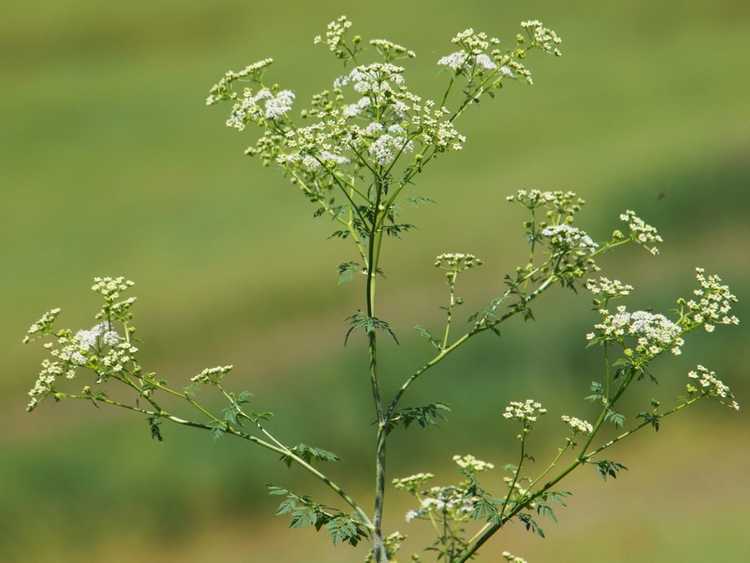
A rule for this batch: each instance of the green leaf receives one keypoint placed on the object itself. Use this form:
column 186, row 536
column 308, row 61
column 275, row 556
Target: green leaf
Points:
column 596, row 392
column 347, row 271
column 154, row 423
column 423, row 332
column 309, row 454
column 344, row 529
column 530, row 524
column 419, row 200
column 615, row 418
column 243, row 397
column 428, row 415
column 546, row 510
column 652, row 418
column 230, row 416
column 485, row 508
column 303, row 512
column 609, row 468
column 218, row 431
column 369, row 324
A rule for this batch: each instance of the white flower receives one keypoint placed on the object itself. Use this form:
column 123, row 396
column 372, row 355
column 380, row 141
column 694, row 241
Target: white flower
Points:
column 45, row 381
column 608, row 289
column 42, row 326
column 87, row 339
column 391, row 50
column 352, row 110
column 713, row 303
column 110, row 288
column 653, row 332
column 412, row 483
column 259, row 106
column 526, row 412
column 78, row 358
column 577, row 425
column 110, row 338
column 711, row 386
column 457, row 262
column 484, row 61
column 387, row 147
column 222, row 90
column 543, row 37
column 508, row 556
column 460, row 61
column 454, row 61
column 571, row 237
column 641, row 232
column 279, row 105
column 373, row 128
column 472, row 464
column 212, row 375
column 334, row 34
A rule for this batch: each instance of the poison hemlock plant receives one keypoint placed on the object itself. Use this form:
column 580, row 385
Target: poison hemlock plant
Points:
column 364, row 143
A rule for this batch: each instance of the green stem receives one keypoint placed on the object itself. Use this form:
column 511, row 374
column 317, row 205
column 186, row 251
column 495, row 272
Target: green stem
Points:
column 462, row 340
column 517, row 473
column 451, row 305
column 379, row 551
column 583, row 458
column 276, row 446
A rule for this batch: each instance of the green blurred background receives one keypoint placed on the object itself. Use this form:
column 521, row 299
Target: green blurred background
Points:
column 110, row 163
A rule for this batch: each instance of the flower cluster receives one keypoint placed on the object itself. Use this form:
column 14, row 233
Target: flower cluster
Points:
column 43, row 326
column 577, row 425
column 334, row 37
column 543, row 37
column 473, row 56
column 508, row 556
column 471, row 464
column 110, row 288
column 517, row 491
column 259, row 107
column 608, row 289
column 89, row 338
column 641, row 232
column 461, row 61
column 368, row 121
column 391, row 51
column 568, row 237
column 712, row 304
column 99, row 348
column 397, row 121
column 653, row 332
column 526, row 412
column 412, row 483
column 484, row 65
column 390, row 144
column 83, row 347
column 45, row 382
column 222, row 90
column 117, row 359
column 560, row 206
column 457, row 262
column 212, row 375
column 452, row 502
column 711, row 386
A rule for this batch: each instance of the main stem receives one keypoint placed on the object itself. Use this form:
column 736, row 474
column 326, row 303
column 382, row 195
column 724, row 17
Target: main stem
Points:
column 378, row 545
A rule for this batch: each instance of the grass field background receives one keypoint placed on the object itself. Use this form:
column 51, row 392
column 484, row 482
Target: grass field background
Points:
column 110, row 163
